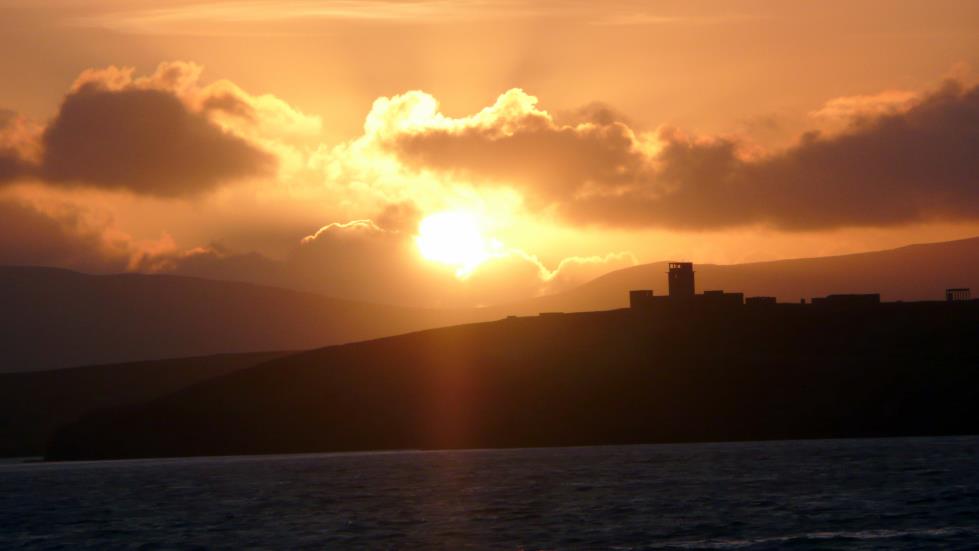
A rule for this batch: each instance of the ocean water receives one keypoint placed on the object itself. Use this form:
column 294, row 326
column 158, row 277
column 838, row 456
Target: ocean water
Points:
column 852, row 494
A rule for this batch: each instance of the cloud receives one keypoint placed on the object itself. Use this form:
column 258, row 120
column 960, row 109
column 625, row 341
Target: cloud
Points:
column 139, row 135
column 268, row 17
column 848, row 110
column 898, row 161
column 649, row 19
column 512, row 141
column 17, row 143
column 143, row 141
column 12, row 166
column 255, row 16
column 575, row 270
column 70, row 236
column 161, row 135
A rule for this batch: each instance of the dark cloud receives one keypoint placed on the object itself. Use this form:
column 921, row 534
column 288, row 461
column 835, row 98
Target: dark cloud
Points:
column 551, row 162
column 65, row 238
column 12, row 166
column 142, row 140
column 919, row 164
column 218, row 262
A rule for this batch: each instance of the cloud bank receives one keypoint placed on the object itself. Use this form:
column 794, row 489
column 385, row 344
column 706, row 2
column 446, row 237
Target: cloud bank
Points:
column 897, row 161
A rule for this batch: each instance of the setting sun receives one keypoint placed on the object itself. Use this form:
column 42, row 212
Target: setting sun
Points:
column 454, row 239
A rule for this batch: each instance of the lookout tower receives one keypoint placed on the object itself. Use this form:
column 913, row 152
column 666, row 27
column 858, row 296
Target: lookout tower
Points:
column 681, row 280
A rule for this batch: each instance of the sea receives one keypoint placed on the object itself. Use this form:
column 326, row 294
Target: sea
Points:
column 908, row 493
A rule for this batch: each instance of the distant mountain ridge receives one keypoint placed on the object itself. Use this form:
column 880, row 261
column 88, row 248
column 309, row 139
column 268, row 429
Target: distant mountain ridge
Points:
column 54, row 318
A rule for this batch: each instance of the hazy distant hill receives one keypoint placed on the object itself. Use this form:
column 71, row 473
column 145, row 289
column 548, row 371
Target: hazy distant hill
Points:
column 787, row 371
column 53, row 318
column 33, row 404
column 915, row 272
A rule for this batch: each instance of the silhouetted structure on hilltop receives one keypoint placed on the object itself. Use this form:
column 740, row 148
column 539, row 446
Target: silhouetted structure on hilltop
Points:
column 681, row 285
column 960, row 293
column 642, row 298
column 681, row 280
column 721, row 299
column 682, row 291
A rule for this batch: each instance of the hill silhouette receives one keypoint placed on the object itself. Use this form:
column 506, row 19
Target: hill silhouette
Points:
column 55, row 318
column 34, row 404
column 617, row 377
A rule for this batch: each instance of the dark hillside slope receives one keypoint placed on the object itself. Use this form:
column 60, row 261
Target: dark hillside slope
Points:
column 599, row 378
column 34, row 404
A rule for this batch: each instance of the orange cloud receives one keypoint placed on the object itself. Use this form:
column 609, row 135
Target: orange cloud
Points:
column 18, row 146
column 162, row 134
column 891, row 166
column 145, row 141
column 840, row 113
column 70, row 236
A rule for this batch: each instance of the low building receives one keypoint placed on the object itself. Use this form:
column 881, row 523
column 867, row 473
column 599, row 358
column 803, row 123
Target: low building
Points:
column 720, row 298
column 959, row 293
column 640, row 298
column 682, row 293
column 756, row 301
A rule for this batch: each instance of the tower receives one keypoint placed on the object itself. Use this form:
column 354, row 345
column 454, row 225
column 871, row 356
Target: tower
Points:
column 681, row 280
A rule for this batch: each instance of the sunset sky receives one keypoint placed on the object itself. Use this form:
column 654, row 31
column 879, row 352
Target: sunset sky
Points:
column 439, row 153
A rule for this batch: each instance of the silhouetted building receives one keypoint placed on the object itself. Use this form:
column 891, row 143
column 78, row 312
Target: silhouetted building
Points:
column 681, row 280
column 720, row 298
column 681, row 285
column 754, row 301
column 869, row 299
column 960, row 293
column 642, row 298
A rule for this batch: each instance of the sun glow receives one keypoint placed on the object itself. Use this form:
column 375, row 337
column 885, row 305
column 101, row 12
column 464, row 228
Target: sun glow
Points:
column 455, row 239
